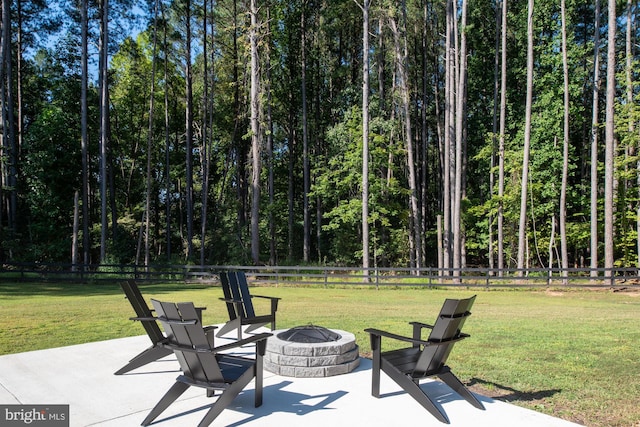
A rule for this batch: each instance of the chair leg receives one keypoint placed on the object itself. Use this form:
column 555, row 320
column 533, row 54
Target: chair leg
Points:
column 414, row 390
column 227, row 397
column 174, row 392
column 258, row 369
column 149, row 355
column 230, row 326
column 375, row 365
column 452, row 381
column 210, row 333
column 254, row 326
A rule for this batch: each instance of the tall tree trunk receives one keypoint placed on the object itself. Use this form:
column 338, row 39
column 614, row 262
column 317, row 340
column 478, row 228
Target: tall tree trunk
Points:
column 272, row 223
column 401, row 54
column 291, row 189
column 255, row 136
column 189, row 132
column 167, row 136
column 84, row 142
column 305, row 139
column 152, row 94
column 449, row 134
column 74, row 234
column 522, row 227
column 207, row 125
column 104, row 124
column 4, row 47
column 460, row 112
column 609, row 142
column 552, row 240
column 454, row 64
column 8, row 112
column 632, row 113
column 565, row 146
column 19, row 101
column 380, row 55
column 365, row 138
column 424, row 129
column 238, row 122
column 292, row 155
column 501, row 141
column 439, row 166
column 494, row 136
column 595, row 124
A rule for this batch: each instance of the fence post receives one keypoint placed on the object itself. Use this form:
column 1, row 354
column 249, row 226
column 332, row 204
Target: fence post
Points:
column 613, row 278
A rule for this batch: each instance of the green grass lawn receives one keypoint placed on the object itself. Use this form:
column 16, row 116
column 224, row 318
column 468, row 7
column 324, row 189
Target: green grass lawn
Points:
column 573, row 354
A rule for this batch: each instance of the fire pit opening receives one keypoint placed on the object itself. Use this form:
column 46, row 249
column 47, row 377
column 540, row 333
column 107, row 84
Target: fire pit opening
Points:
column 309, row 334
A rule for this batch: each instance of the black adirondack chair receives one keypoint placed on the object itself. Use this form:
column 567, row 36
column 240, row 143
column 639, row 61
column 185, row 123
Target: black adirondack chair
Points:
column 144, row 315
column 240, row 305
column 425, row 358
column 202, row 364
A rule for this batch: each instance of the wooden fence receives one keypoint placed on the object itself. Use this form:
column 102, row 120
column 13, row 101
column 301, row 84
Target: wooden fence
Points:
column 617, row 279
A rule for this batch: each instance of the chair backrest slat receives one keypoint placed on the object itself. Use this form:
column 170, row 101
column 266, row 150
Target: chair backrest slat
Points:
column 200, row 366
column 142, row 310
column 243, row 287
column 445, row 333
column 228, row 295
column 197, row 337
column 235, row 292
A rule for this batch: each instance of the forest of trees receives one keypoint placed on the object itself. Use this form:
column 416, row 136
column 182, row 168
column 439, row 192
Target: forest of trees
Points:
column 414, row 133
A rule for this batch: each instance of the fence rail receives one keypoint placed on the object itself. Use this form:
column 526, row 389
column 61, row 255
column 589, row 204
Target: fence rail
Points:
column 330, row 276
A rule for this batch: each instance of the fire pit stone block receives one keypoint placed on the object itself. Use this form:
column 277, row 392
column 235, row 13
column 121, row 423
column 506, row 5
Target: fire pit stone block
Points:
column 312, row 360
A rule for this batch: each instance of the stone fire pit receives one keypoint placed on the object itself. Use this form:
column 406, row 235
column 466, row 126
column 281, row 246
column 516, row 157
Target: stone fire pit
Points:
column 311, row 351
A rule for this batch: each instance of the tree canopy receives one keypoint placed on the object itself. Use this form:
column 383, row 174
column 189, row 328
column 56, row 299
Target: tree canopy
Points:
column 228, row 132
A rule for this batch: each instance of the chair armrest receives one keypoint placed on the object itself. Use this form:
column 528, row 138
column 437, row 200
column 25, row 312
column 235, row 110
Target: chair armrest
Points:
column 274, row 302
column 380, row 333
column 254, row 338
column 240, row 343
column 231, row 300
column 414, row 341
column 417, row 330
column 143, row 319
column 178, row 322
column 266, row 297
column 421, row 325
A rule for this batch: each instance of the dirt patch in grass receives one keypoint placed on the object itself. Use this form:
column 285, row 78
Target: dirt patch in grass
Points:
column 631, row 291
column 554, row 293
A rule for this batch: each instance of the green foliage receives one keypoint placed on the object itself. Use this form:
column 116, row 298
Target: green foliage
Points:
column 49, row 172
column 340, row 186
column 51, row 177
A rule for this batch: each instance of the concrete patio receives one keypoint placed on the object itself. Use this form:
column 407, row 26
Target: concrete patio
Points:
column 82, row 377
